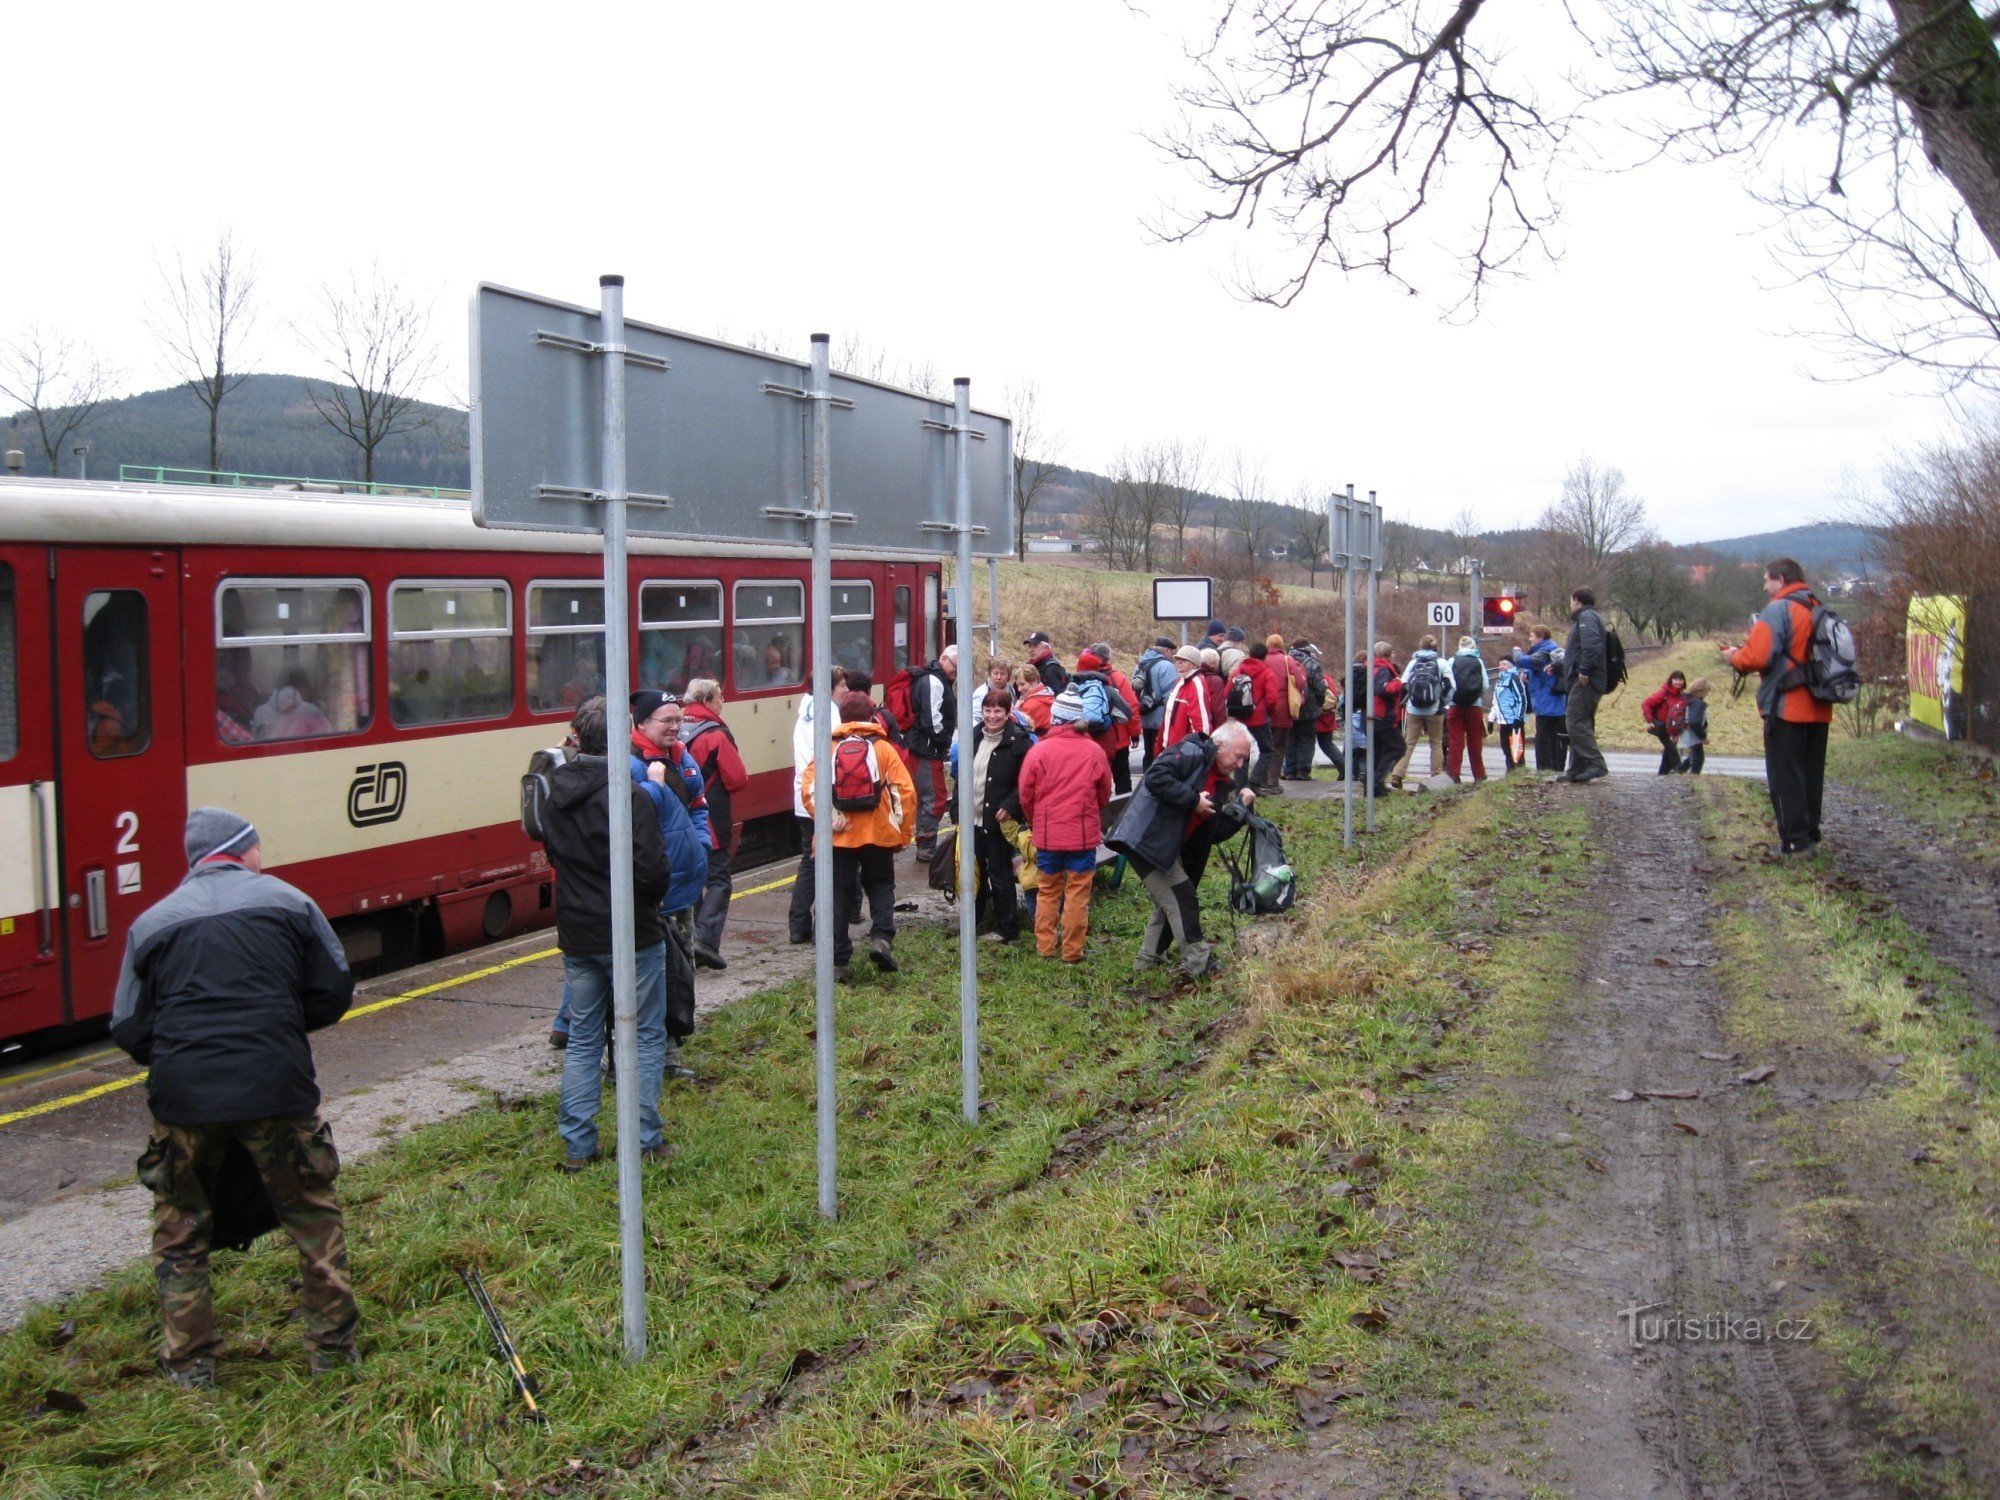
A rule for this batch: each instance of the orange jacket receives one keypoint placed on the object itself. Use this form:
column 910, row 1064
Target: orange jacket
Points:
column 894, row 820
column 1761, row 654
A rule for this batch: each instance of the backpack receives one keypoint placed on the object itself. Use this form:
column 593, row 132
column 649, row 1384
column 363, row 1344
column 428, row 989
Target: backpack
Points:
column 943, row 874
column 1261, row 882
column 896, row 698
column 857, row 780
column 1121, row 711
column 1242, row 699
column 1827, row 670
column 1295, row 698
column 1424, row 687
column 535, row 790
column 1614, row 661
column 1313, row 703
column 1466, row 681
column 1149, row 698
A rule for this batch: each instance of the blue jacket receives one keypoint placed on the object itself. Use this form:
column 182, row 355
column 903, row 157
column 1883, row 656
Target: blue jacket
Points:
column 1096, row 696
column 1159, row 671
column 1547, row 695
column 1510, row 696
column 687, row 846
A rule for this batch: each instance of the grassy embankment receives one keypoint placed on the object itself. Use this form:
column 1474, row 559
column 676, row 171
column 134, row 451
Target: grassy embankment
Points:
column 1734, row 727
column 1953, row 792
column 1893, row 1170
column 1179, row 1221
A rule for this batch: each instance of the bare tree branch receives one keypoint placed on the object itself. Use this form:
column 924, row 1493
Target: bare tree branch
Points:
column 60, row 383
column 200, row 319
column 376, row 340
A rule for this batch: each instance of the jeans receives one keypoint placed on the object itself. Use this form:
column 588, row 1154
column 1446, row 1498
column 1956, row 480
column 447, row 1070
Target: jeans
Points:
column 1329, row 746
column 587, row 996
column 1511, row 735
column 1795, row 771
column 1694, row 756
column 1580, row 718
column 1121, row 771
column 870, row 870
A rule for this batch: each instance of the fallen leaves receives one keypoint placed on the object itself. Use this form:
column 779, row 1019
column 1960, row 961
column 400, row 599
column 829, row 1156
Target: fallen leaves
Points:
column 1756, row 1075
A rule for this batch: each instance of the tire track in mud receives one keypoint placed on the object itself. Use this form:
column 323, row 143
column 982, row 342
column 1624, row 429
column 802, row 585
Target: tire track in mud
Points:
column 1649, row 1217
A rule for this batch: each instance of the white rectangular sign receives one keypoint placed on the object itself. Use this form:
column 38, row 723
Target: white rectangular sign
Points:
column 1443, row 612
column 1181, row 598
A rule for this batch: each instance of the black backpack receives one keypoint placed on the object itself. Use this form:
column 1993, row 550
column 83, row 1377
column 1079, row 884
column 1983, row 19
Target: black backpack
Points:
column 1614, row 661
column 535, row 790
column 1261, row 882
column 1467, row 681
column 1423, row 685
column 1242, row 701
column 1312, row 703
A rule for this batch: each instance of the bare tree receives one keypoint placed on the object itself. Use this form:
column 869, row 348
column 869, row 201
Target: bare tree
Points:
column 1465, row 534
column 1338, row 127
column 376, row 340
column 1111, row 520
column 1596, row 513
column 1038, row 454
column 60, row 383
column 1251, row 523
column 1186, row 473
column 201, row 317
column 1309, row 527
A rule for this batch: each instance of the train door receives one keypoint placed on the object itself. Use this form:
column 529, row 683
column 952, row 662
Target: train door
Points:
column 122, row 774
column 905, row 640
column 31, row 990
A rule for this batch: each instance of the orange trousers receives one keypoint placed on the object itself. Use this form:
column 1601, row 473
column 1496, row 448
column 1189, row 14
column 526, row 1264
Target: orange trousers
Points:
column 1063, row 896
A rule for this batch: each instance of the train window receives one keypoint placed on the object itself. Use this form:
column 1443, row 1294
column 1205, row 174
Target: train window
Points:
column 854, row 625
column 117, row 673
column 565, row 645
column 932, row 618
column 902, row 629
column 769, row 641
column 680, row 633
column 451, row 651
column 10, row 660
column 291, row 660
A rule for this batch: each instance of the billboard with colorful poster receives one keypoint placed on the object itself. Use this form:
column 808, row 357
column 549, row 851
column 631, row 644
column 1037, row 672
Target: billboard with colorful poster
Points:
column 1936, row 637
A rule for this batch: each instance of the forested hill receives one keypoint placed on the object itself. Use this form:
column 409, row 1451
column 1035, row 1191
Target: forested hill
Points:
column 1826, row 548
column 268, row 427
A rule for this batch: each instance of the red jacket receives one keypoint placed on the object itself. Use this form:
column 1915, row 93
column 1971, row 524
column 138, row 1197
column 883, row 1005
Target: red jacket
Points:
column 1121, row 736
column 1261, row 685
column 723, row 771
column 1035, row 708
column 1797, row 705
column 1667, row 709
column 1065, row 782
column 1188, row 710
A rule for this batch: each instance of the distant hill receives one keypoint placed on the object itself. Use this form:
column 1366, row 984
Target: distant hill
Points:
column 268, row 427
column 1823, row 548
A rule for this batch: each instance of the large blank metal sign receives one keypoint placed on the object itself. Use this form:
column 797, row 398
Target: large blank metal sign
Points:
column 715, row 435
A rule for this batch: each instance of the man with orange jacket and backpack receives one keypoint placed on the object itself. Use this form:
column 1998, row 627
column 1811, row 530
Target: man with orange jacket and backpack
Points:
column 1795, row 722
column 874, row 815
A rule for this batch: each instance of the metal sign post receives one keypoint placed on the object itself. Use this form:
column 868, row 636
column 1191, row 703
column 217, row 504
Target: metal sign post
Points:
column 993, row 617
column 617, row 750
column 1340, row 532
column 1372, row 524
column 969, row 733
column 820, row 505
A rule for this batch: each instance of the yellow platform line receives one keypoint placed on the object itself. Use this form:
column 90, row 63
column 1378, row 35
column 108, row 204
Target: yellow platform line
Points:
column 98, row 1091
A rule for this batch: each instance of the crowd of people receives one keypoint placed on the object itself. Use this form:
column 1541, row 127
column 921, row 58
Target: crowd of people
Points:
column 225, row 977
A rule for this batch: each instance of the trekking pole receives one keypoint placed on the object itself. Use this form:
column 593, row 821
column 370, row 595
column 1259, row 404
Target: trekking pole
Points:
column 523, row 1381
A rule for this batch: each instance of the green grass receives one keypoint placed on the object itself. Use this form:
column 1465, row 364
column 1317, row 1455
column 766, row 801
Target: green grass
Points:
column 1949, row 790
column 1139, row 1237
column 1734, row 727
column 1894, row 1190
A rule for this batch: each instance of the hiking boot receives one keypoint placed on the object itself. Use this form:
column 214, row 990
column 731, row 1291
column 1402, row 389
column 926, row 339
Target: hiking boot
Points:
column 706, row 957
column 924, row 853
column 663, row 1152
column 575, row 1164
column 799, row 939
column 841, row 976
column 331, row 1361
column 676, row 1070
column 196, row 1375
column 1594, row 773
column 878, row 949
column 558, row 1039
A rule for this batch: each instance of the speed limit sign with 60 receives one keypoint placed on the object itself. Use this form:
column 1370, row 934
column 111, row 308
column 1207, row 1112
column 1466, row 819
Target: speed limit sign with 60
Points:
column 1444, row 612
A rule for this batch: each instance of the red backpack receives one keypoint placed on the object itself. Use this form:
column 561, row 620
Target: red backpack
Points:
column 896, row 698
column 857, row 780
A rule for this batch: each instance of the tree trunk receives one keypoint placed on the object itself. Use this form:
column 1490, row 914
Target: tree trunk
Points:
column 1949, row 77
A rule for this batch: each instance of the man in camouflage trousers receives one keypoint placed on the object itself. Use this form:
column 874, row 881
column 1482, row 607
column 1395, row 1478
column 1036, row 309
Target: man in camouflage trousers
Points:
column 221, row 982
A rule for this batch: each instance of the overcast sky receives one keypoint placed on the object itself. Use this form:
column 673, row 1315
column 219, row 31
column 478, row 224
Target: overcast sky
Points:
column 958, row 184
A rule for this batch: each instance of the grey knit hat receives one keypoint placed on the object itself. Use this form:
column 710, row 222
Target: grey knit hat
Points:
column 216, row 830
column 1067, row 708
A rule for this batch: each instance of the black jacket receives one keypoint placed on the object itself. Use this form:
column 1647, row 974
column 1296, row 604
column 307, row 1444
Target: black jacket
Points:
column 577, row 834
column 1583, row 656
column 1154, row 825
column 1054, row 673
column 221, row 982
column 934, row 703
column 1003, row 774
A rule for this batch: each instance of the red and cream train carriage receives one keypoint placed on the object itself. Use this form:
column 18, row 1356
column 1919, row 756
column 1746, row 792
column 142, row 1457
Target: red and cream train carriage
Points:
column 362, row 677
